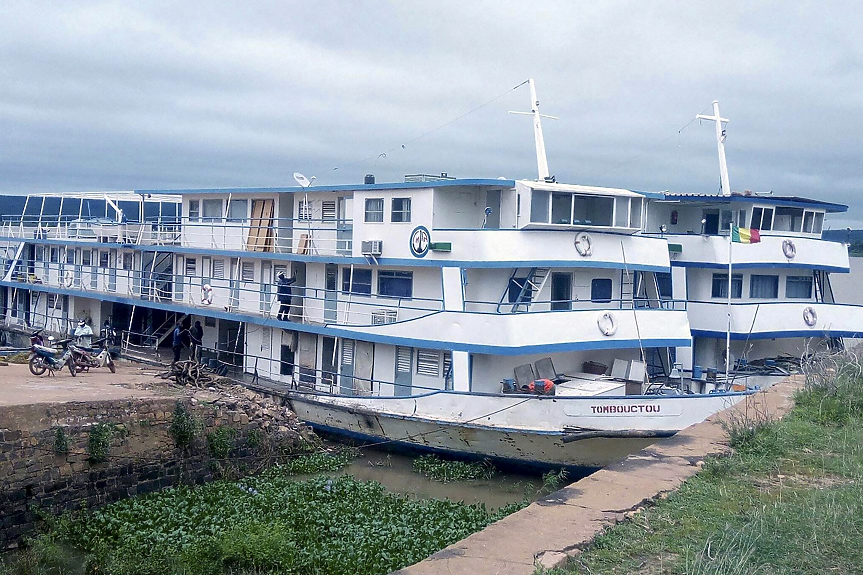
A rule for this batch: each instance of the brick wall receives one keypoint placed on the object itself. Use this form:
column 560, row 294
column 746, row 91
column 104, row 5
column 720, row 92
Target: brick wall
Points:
column 143, row 457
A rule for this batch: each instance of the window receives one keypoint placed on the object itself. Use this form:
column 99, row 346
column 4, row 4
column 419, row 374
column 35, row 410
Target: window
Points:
column 247, row 272
column 70, row 256
column 788, row 219
column 359, row 283
column 55, row 256
column 561, row 208
column 539, row 207
column 819, row 223
column 395, row 284
column 209, row 321
column 212, row 210
column 85, row 257
column 328, row 210
column 798, row 287
column 401, row 210
column 663, row 283
column 238, row 210
column 762, row 219
column 103, row 260
column 763, row 286
column 127, row 261
column 592, row 210
column 808, row 217
column 218, row 269
column 428, row 362
column 600, row 290
column 194, row 210
column 720, row 286
column 305, row 210
column 40, row 253
column 447, row 369
column 374, row 210
column 191, row 267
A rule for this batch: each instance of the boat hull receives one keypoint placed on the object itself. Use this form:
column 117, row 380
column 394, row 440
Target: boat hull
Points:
column 543, row 432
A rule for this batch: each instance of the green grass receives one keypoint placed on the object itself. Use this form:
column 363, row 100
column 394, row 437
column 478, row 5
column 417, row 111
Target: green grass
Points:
column 789, row 499
column 273, row 523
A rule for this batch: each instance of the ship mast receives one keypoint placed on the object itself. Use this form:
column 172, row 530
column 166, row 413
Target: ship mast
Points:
column 541, row 160
column 720, row 144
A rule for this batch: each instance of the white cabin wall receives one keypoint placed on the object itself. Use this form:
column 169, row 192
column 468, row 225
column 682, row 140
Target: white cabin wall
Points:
column 395, row 235
column 459, row 208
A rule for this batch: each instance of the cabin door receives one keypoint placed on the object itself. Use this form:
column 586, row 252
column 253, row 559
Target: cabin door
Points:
column 328, row 362
column 331, row 294
column 404, row 359
column 112, row 271
column 346, row 372
column 561, row 291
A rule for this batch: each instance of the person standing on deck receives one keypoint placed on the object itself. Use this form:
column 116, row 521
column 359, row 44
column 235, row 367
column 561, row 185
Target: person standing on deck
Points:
column 177, row 342
column 284, row 295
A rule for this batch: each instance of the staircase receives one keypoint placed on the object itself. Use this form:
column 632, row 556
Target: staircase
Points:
column 159, row 277
column 529, row 286
column 627, row 289
column 14, row 263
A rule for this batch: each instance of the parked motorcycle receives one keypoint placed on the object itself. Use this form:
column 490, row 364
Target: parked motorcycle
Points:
column 44, row 358
column 85, row 358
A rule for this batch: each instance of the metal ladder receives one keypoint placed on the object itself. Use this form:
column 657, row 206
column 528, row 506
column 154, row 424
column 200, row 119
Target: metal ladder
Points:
column 530, row 287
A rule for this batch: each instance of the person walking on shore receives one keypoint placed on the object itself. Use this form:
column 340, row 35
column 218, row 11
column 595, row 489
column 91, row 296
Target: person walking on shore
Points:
column 196, row 335
column 177, row 342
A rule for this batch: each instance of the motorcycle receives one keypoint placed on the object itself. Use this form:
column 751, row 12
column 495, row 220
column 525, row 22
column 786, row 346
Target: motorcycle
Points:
column 44, row 358
column 85, row 358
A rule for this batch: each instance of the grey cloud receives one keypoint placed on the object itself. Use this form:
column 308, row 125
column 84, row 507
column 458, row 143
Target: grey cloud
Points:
column 106, row 95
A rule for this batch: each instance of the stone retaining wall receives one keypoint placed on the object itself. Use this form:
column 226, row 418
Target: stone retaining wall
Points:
column 38, row 473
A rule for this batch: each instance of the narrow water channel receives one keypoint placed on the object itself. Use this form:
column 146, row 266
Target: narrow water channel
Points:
column 395, row 472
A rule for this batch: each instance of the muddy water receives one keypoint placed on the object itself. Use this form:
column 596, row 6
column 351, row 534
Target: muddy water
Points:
column 396, row 473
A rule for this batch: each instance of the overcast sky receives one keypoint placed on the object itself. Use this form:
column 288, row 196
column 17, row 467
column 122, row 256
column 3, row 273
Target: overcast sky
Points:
column 118, row 96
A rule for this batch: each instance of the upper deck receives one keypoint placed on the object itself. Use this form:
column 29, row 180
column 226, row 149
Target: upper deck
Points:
column 466, row 223
column 697, row 229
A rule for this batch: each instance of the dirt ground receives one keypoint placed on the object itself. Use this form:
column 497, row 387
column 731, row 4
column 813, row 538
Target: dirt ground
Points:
column 20, row 387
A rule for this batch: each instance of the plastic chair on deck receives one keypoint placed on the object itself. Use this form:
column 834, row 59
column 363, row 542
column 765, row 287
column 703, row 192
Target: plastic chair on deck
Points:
column 524, row 375
column 545, row 370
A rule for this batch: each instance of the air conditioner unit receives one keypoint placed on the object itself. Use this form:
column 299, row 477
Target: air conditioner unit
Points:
column 383, row 316
column 372, row 247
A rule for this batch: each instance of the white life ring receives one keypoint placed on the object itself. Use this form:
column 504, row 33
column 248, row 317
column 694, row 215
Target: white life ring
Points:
column 68, row 279
column 583, row 245
column 789, row 249
column 206, row 294
column 810, row 317
column 607, row 324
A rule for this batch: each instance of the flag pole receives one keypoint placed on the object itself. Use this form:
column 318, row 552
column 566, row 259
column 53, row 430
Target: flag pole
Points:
column 728, row 327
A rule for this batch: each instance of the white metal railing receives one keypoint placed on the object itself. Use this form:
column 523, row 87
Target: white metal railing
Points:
column 277, row 235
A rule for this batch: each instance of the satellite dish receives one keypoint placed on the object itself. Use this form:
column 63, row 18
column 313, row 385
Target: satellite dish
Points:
column 302, row 180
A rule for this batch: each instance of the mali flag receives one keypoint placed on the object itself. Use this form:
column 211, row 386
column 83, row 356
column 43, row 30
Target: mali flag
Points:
column 745, row 235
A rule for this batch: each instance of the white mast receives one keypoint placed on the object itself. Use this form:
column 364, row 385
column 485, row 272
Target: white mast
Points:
column 720, row 144
column 541, row 160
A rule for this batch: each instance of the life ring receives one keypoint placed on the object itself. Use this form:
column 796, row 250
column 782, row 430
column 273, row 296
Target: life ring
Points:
column 810, row 317
column 607, row 324
column 789, row 249
column 583, row 244
column 206, row 294
column 68, row 279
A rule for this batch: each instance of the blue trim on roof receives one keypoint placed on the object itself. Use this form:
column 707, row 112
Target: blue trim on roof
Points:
column 743, row 336
column 758, row 265
column 791, row 201
column 483, row 182
column 354, row 334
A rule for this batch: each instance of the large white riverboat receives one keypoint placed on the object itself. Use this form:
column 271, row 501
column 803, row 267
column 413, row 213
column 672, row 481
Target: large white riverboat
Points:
column 426, row 313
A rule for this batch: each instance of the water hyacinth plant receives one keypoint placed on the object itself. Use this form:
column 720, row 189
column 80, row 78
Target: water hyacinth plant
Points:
column 269, row 523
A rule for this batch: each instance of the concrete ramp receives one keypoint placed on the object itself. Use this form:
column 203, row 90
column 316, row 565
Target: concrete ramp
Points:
column 546, row 532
